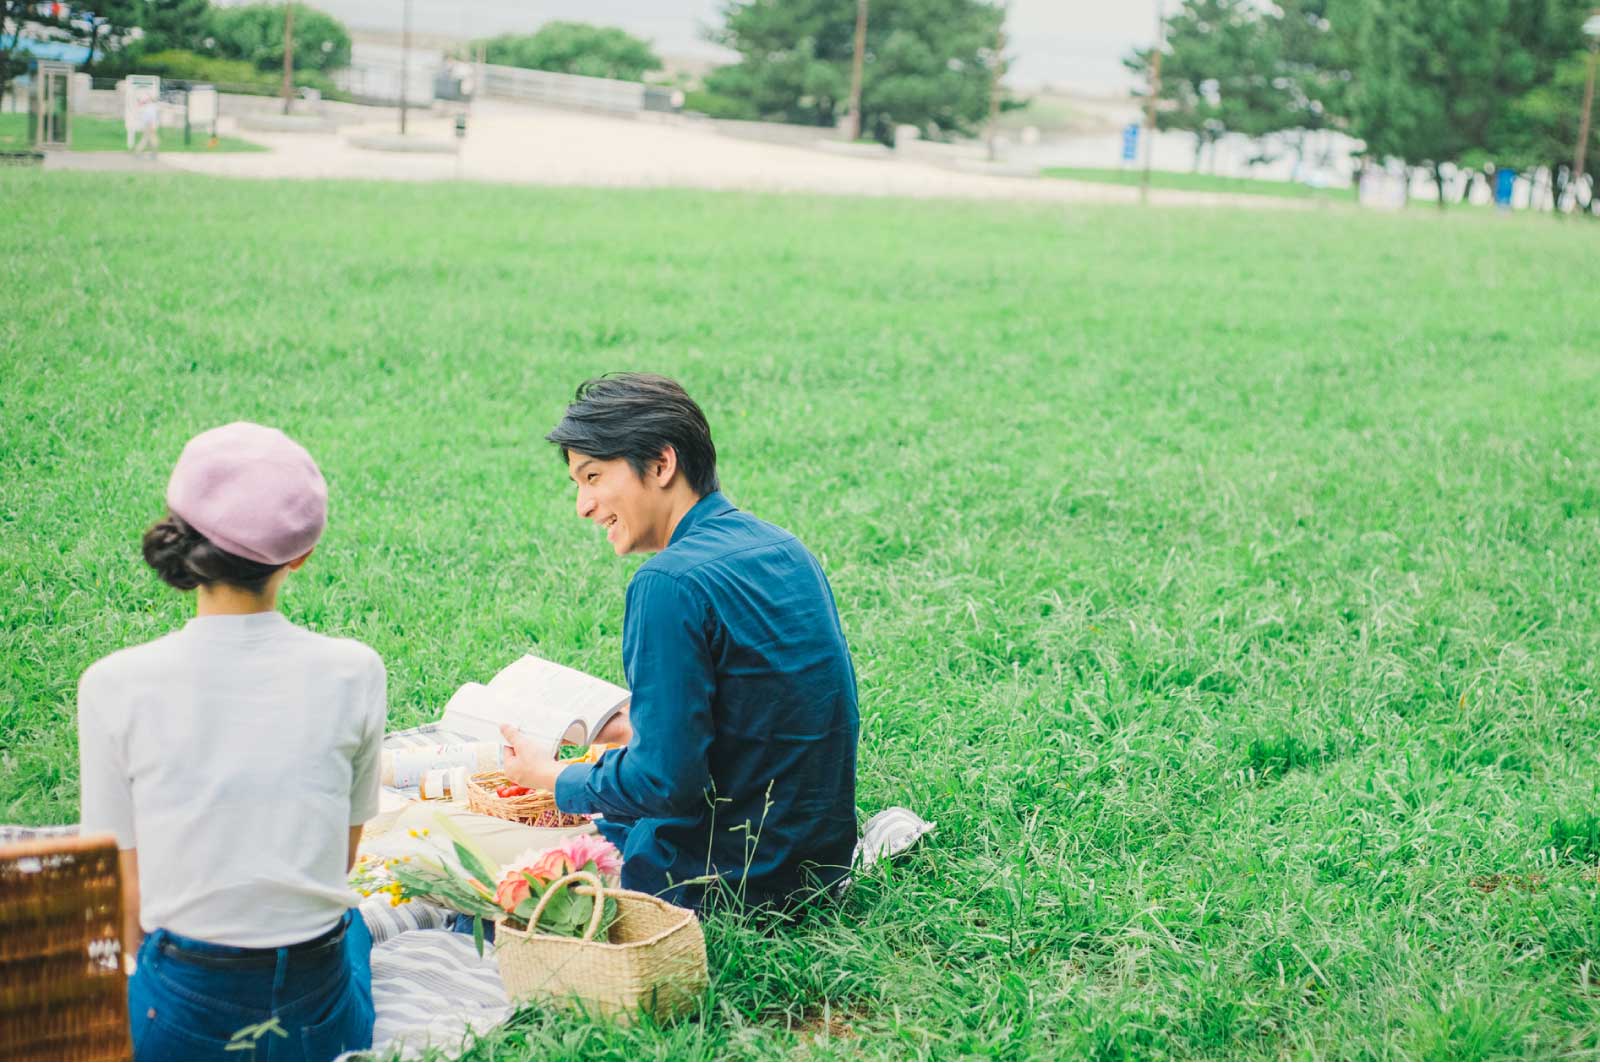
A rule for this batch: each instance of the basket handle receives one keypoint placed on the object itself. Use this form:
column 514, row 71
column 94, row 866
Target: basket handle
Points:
column 595, row 887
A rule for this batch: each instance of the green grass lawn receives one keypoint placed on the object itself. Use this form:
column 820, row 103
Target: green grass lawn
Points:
column 1222, row 582
column 107, row 134
column 1204, row 182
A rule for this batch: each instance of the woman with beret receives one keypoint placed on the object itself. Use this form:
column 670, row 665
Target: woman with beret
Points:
column 235, row 760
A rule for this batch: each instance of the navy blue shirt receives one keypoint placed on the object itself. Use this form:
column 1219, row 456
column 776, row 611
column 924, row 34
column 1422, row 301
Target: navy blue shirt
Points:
column 743, row 758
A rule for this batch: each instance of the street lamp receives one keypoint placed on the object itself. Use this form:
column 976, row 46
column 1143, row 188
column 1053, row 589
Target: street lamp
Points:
column 1591, row 26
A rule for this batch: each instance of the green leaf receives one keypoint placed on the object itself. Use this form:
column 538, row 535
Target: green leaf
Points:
column 477, row 935
column 469, row 861
column 559, row 910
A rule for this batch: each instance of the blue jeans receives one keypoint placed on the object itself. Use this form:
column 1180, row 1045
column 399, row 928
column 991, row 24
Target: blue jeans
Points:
column 291, row 1007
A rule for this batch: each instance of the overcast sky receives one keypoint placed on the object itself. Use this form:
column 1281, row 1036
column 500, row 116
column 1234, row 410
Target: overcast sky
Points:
column 1073, row 42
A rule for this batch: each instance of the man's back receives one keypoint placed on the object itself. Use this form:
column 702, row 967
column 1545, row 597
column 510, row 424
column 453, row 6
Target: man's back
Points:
column 742, row 685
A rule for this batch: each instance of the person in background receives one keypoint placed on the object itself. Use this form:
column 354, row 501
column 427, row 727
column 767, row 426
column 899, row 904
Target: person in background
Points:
column 149, row 127
column 741, row 763
column 235, row 760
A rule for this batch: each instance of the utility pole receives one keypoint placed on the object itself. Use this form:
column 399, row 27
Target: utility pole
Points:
column 1580, row 156
column 856, row 65
column 1150, row 101
column 995, row 74
column 288, row 55
column 405, row 61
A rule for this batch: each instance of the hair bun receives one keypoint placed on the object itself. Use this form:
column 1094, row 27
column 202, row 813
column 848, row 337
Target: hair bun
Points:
column 166, row 549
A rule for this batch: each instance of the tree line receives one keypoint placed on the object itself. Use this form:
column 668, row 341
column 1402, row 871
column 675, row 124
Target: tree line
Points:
column 179, row 38
column 1459, row 88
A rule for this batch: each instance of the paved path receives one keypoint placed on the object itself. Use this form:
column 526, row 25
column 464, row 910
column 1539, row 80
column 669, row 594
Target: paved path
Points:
column 104, row 161
column 511, row 143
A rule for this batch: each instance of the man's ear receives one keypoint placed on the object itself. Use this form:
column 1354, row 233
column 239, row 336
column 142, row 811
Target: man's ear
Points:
column 665, row 467
column 297, row 562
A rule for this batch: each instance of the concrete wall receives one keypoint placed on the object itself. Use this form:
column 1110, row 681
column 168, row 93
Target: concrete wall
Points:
column 563, row 90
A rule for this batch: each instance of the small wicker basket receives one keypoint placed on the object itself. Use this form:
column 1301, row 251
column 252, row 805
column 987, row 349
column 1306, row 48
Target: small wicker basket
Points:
column 654, row 962
column 537, row 808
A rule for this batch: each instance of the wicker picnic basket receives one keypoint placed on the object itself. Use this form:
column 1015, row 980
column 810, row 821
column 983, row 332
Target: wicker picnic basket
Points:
column 654, row 960
column 536, row 808
column 62, row 991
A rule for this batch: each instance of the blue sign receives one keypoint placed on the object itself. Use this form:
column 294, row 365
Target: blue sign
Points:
column 1130, row 142
column 1504, row 182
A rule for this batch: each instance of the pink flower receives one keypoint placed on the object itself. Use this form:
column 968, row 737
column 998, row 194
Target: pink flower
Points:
column 546, row 865
column 550, row 865
column 512, row 891
column 583, row 849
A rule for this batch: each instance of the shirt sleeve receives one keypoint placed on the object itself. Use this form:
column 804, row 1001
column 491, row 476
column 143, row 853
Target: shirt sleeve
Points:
column 666, row 652
column 369, row 758
column 106, row 792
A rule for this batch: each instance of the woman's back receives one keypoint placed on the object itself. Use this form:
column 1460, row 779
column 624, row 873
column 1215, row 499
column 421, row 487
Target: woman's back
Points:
column 252, row 746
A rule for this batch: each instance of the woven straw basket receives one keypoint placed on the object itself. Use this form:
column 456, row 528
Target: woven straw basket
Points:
column 537, row 808
column 62, row 991
column 655, row 960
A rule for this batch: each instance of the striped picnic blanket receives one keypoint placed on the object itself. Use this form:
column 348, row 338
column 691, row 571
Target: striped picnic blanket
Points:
column 430, row 988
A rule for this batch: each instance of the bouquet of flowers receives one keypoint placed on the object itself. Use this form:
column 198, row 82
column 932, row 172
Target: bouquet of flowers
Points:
column 473, row 885
column 532, row 875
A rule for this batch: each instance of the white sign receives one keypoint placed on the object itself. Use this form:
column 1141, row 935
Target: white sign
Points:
column 202, row 105
column 136, row 88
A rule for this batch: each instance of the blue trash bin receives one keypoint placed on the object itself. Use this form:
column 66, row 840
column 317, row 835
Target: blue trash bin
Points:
column 1505, row 181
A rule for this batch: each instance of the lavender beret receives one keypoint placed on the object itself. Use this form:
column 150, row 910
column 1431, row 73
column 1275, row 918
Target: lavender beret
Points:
column 252, row 491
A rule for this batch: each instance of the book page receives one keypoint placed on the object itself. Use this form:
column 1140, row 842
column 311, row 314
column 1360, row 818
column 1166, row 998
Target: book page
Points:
column 546, row 699
column 474, row 711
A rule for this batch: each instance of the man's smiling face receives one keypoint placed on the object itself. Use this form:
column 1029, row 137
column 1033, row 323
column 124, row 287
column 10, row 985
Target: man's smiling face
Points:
column 630, row 509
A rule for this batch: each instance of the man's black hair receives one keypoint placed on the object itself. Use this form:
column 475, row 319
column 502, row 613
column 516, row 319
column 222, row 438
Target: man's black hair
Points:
column 637, row 416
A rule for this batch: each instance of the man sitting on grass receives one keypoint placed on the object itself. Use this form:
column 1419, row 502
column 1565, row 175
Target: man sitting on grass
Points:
column 741, row 762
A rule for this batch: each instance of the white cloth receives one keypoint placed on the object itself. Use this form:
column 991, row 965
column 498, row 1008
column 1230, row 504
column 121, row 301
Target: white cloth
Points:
column 234, row 755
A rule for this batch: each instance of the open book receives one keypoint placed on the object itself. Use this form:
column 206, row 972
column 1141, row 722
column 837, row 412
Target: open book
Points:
column 548, row 702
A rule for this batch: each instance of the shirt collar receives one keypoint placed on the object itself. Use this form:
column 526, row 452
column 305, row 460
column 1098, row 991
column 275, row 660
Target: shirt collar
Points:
column 237, row 626
column 711, row 505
